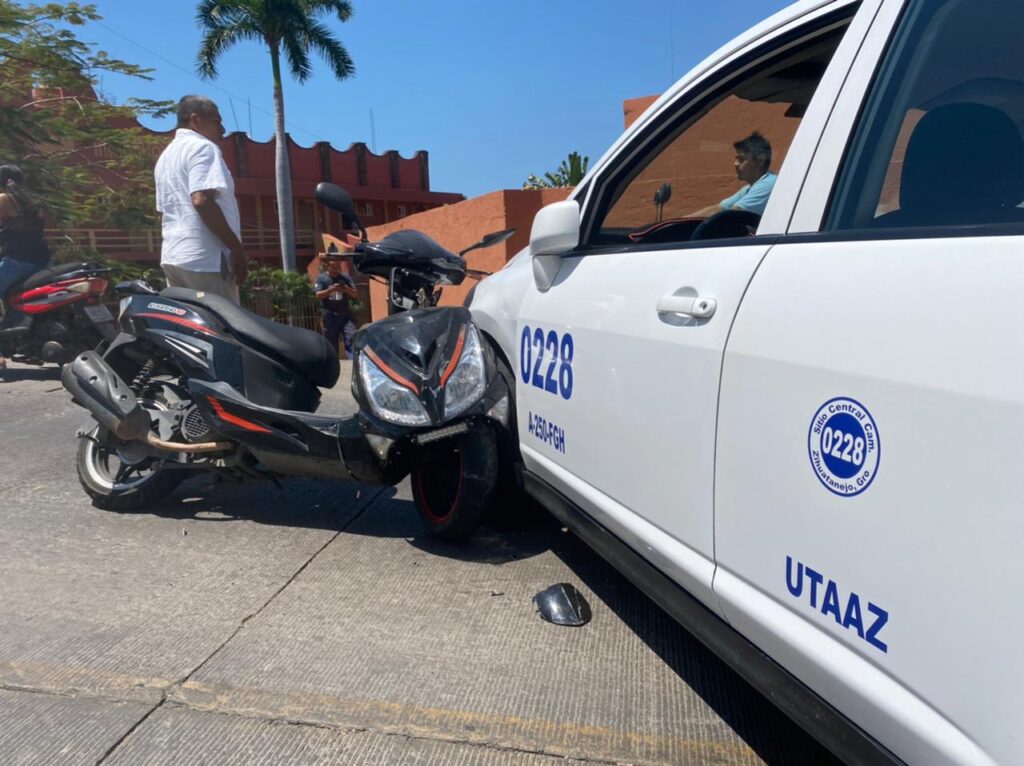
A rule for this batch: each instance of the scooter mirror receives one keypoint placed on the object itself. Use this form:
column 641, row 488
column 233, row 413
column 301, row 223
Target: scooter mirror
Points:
column 489, row 240
column 336, row 198
column 562, row 604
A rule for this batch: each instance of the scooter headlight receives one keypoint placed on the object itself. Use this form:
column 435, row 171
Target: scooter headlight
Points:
column 390, row 400
column 468, row 381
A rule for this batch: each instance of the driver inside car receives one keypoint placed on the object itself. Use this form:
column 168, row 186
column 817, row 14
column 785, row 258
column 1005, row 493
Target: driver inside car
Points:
column 753, row 163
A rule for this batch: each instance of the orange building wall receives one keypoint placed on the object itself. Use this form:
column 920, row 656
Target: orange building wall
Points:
column 632, row 108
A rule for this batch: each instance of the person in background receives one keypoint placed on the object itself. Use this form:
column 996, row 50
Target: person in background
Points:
column 23, row 249
column 333, row 289
column 195, row 194
column 753, row 166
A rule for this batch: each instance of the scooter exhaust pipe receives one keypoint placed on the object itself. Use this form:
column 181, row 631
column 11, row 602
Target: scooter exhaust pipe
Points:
column 93, row 384
column 195, row 447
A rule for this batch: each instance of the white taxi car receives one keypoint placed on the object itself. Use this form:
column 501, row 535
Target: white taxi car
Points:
column 797, row 427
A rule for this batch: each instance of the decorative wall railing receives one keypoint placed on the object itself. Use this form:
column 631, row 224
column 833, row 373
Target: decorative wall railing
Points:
column 115, row 243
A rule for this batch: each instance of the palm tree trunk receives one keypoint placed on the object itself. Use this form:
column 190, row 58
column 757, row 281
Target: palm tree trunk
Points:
column 285, row 218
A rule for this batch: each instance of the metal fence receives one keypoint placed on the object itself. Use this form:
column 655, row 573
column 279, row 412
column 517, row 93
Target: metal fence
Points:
column 297, row 310
column 287, row 299
column 133, row 244
column 290, row 307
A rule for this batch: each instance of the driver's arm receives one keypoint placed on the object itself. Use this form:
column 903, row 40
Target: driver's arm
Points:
column 706, row 212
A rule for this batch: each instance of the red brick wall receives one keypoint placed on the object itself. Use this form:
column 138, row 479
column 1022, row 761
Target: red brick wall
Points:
column 256, row 189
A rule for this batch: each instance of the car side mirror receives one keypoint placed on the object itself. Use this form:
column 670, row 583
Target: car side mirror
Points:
column 556, row 231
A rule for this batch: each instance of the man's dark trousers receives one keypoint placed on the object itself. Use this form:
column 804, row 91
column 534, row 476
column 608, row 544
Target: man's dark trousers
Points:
column 337, row 327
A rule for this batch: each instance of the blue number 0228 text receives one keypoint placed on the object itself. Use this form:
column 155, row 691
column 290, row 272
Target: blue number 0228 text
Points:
column 545, row 360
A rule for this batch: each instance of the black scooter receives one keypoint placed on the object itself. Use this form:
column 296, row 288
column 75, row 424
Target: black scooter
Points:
column 194, row 383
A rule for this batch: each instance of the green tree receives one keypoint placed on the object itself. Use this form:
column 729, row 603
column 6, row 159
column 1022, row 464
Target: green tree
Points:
column 291, row 27
column 87, row 160
column 569, row 173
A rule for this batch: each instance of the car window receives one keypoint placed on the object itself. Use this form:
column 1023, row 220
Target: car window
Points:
column 940, row 142
column 720, row 154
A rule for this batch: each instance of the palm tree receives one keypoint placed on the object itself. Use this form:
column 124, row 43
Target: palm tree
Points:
column 569, row 173
column 288, row 26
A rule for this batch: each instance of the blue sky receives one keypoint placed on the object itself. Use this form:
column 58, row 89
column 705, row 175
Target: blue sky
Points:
column 492, row 90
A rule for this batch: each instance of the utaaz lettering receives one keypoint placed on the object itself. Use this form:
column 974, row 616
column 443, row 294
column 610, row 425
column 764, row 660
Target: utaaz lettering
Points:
column 824, row 595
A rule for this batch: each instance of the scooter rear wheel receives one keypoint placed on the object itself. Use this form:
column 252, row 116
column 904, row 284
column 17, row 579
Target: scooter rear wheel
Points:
column 454, row 481
column 120, row 476
column 116, row 484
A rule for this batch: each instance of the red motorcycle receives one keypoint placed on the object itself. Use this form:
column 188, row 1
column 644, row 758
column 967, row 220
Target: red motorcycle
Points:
column 56, row 313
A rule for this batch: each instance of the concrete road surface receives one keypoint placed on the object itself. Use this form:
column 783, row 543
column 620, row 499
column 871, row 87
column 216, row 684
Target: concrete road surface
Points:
column 245, row 624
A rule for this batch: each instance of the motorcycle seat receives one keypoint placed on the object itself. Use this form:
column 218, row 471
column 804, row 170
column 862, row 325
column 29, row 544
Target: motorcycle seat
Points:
column 47, row 275
column 298, row 348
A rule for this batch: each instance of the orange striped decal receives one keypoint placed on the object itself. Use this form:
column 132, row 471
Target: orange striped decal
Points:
column 456, row 355
column 180, row 321
column 234, row 420
column 391, row 373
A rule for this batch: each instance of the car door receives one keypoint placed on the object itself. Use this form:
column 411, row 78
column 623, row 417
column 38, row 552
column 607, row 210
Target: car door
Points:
column 868, row 502
column 619, row 356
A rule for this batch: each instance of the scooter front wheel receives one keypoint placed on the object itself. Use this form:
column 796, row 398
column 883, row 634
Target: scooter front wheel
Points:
column 453, row 482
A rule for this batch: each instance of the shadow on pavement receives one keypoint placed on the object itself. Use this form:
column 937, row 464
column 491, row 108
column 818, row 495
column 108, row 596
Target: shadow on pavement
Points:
column 519, row 532
column 302, row 503
column 499, row 541
column 768, row 731
column 14, row 374
column 327, row 505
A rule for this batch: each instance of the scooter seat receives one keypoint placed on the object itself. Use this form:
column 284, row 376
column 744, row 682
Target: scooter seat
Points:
column 298, row 348
column 47, row 275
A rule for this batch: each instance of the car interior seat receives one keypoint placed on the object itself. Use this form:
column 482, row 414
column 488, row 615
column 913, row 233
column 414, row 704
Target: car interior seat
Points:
column 964, row 165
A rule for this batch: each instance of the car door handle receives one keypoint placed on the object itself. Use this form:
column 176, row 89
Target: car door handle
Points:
column 691, row 305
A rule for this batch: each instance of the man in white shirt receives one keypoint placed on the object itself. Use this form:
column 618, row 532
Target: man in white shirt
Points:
column 195, row 195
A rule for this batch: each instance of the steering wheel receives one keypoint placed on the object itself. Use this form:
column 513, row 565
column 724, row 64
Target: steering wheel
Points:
column 727, row 224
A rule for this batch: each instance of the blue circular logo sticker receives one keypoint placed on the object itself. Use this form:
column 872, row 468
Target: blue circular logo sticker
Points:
column 844, row 446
